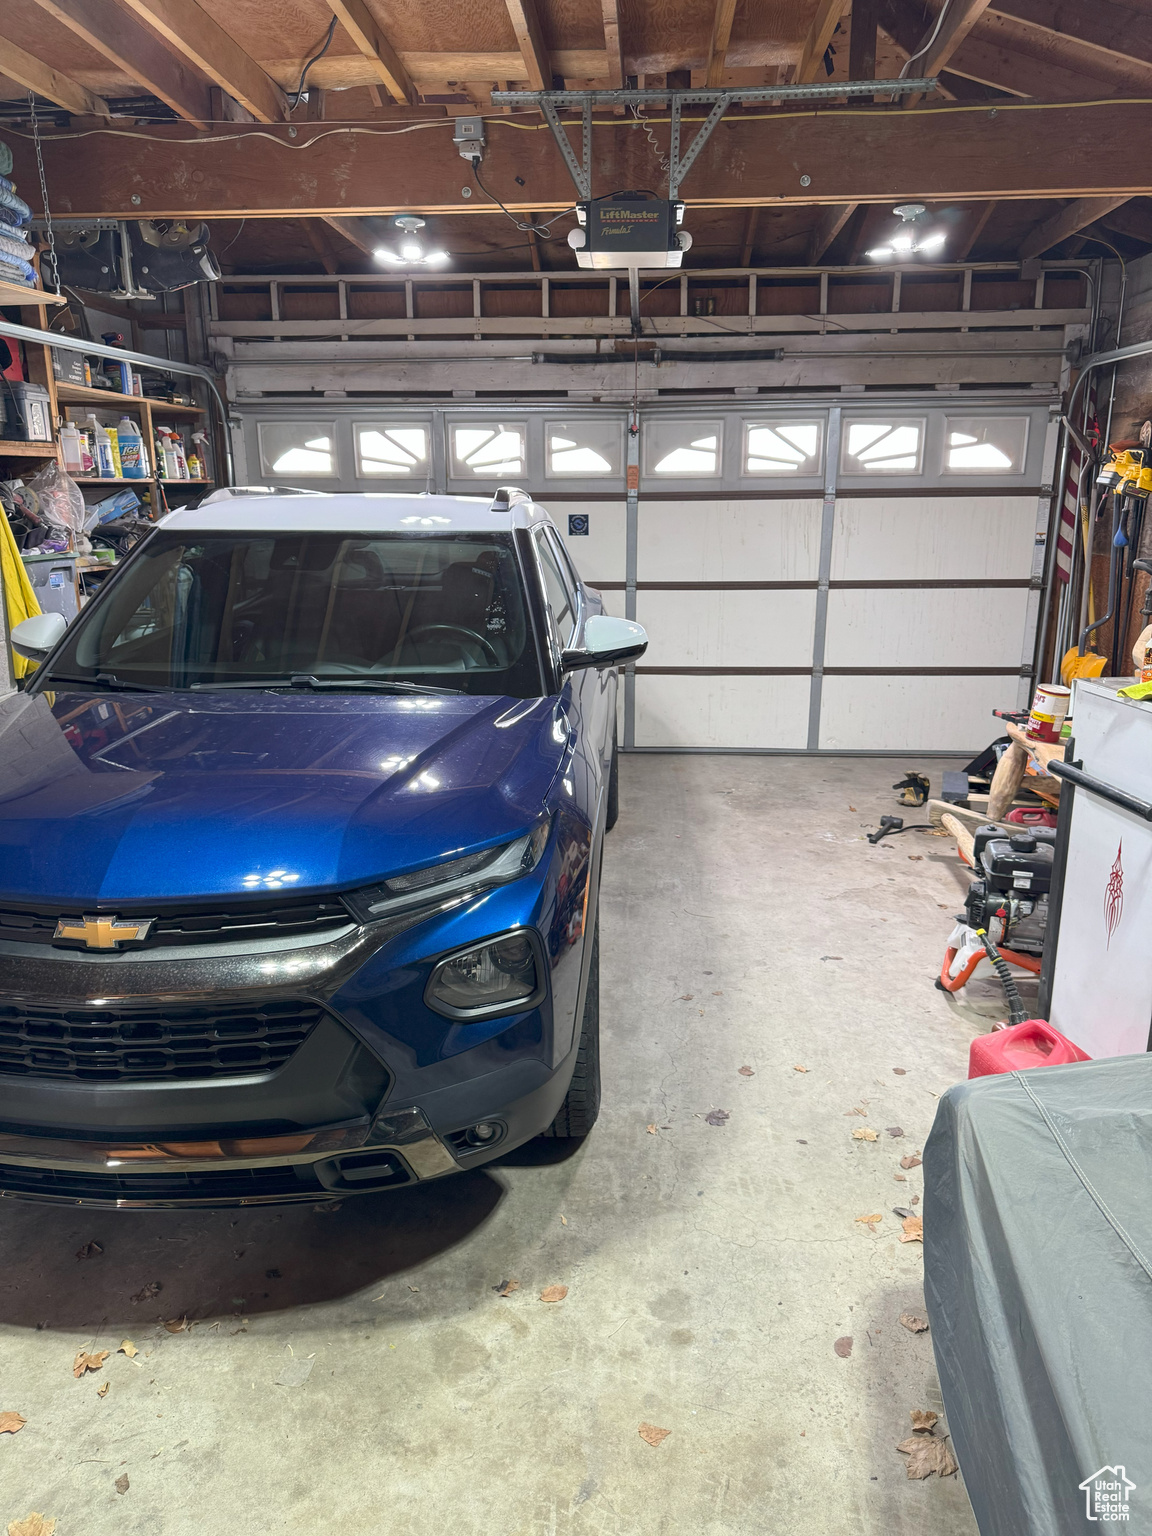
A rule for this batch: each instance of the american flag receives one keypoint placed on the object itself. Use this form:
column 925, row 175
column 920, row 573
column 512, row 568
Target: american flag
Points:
column 1068, row 529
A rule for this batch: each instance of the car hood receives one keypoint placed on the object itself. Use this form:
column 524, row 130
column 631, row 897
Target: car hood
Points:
column 118, row 797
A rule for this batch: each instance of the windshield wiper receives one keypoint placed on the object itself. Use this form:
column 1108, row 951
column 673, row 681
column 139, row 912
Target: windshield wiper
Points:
column 104, row 680
column 306, row 681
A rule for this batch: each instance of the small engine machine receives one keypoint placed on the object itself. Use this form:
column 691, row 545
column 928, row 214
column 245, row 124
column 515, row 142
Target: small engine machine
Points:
column 1008, row 900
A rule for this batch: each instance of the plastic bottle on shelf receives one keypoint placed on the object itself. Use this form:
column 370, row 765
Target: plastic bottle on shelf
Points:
column 131, row 449
column 114, row 444
column 105, row 464
column 195, row 469
column 181, row 461
column 200, row 443
column 71, row 447
column 167, row 450
column 87, row 454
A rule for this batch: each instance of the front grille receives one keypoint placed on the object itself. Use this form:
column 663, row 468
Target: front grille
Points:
column 186, row 924
column 223, row 1185
column 108, row 1045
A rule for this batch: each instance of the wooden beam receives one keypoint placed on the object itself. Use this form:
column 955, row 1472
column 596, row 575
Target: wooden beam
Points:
column 1133, row 219
column 315, row 107
column 975, row 230
column 831, row 221
column 319, row 244
column 749, row 244
column 1118, row 32
column 530, row 39
column 613, row 43
column 34, row 75
column 862, row 41
column 361, row 26
column 867, row 230
column 1031, row 46
column 194, row 34
column 828, row 13
column 961, row 17
column 350, row 231
column 937, row 156
column 1067, row 221
column 136, row 50
column 722, row 17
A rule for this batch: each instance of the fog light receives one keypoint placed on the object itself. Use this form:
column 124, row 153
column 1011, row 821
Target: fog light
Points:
column 483, row 1132
column 501, row 976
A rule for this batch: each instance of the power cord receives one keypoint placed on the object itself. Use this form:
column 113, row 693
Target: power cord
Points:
column 294, row 99
column 544, row 230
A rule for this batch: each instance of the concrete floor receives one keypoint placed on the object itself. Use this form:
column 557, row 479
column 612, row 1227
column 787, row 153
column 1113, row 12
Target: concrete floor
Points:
column 710, row 1268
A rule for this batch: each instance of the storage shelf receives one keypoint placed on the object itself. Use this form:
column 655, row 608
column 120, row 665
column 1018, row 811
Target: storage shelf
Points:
column 147, row 480
column 81, row 394
column 28, row 450
column 19, row 293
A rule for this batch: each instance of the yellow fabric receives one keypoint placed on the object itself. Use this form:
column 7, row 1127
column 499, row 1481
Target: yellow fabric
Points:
column 1088, row 665
column 20, row 598
column 1137, row 691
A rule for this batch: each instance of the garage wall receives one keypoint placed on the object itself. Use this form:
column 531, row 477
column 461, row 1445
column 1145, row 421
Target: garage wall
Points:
column 838, row 603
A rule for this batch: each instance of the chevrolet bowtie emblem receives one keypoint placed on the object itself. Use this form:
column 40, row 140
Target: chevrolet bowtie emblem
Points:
column 102, row 932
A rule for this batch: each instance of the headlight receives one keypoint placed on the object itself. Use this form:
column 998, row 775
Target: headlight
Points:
column 473, row 872
column 503, row 975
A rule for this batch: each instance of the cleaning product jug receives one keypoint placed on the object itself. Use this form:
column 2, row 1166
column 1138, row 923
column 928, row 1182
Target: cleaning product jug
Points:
column 131, row 449
column 105, row 465
column 70, row 443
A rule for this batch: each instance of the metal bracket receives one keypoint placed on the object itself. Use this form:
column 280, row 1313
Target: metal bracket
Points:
column 678, row 168
column 580, row 171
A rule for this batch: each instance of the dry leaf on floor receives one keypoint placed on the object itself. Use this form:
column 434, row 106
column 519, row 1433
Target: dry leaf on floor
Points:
column 122, row 1483
column 843, row 1347
column 127, row 1348
column 686, row 997
column 554, row 1293
column 11, row 1423
column 864, row 1133
column 914, row 1322
column 915, row 1199
column 89, row 1251
column 652, row 1435
column 103, row 1391
column 32, row 1525
column 746, row 1072
column 900, row 1071
column 910, row 1161
column 147, row 1292
column 902, row 1211
column 856, row 1111
column 913, row 1230
column 717, row 1116
column 652, row 1131
column 563, row 1221
column 799, row 1069
column 928, row 1453
column 900, row 1178
column 870, row 1221
column 176, row 1324
column 86, row 1362
column 508, row 1287
column 916, row 858
column 894, row 1131
column 852, row 808
column 923, row 1419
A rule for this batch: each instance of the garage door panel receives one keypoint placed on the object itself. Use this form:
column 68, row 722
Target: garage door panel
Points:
column 728, row 629
column 728, row 540
column 917, row 714
column 933, row 538
column 601, row 553
column 721, row 711
column 917, row 628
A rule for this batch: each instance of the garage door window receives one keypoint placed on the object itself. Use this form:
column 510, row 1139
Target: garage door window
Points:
column 891, row 446
column 986, row 445
column 688, row 448
column 487, row 450
column 782, row 447
column 583, row 448
column 399, row 449
column 297, row 448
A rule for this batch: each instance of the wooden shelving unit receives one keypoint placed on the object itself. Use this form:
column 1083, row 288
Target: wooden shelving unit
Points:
column 77, row 400
column 81, row 394
column 18, row 293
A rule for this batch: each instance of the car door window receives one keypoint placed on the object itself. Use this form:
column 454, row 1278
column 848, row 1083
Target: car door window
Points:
column 560, row 601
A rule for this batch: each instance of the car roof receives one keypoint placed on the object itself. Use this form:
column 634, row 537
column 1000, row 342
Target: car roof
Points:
column 364, row 512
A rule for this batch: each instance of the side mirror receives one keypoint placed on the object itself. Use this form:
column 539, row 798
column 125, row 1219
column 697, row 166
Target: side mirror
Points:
column 33, row 638
column 607, row 643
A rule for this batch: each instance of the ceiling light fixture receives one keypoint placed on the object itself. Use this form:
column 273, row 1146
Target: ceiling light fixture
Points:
column 908, row 241
column 412, row 252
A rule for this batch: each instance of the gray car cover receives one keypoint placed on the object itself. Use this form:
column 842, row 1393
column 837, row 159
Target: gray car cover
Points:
column 1038, row 1283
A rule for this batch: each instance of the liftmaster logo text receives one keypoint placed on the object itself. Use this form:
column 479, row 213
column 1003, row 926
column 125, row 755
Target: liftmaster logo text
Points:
column 1106, row 1494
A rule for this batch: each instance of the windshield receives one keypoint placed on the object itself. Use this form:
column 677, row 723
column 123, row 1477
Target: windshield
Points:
column 446, row 611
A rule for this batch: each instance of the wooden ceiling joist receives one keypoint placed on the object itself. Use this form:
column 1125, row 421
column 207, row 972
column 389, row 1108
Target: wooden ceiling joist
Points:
column 1067, row 221
column 831, row 221
column 828, row 14
column 138, row 52
column 613, row 44
column 978, row 219
column 194, row 34
column 35, row 75
column 361, row 26
column 748, row 245
column 530, row 40
column 722, row 18
column 351, row 232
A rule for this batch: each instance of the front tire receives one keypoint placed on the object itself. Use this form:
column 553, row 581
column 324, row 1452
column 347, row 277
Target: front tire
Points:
column 577, row 1114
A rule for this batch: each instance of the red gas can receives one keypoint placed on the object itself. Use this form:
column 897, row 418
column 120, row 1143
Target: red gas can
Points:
column 1031, row 1044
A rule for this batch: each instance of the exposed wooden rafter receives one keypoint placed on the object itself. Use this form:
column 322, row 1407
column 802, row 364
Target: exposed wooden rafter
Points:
column 136, row 50
column 351, row 232
column 862, row 40
column 199, row 38
column 828, row 13
column 362, row 27
column 977, row 221
column 831, row 221
column 723, row 15
column 1067, row 221
column 613, row 44
column 961, row 17
column 749, row 242
column 35, row 75
column 530, row 40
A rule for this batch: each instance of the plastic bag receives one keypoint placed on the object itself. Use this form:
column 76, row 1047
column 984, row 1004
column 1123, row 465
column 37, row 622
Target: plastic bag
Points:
column 60, row 501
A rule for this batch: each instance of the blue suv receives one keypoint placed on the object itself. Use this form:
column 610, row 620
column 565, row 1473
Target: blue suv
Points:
column 300, row 840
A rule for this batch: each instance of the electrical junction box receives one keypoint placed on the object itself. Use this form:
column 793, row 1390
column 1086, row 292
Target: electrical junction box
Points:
column 468, row 137
column 629, row 230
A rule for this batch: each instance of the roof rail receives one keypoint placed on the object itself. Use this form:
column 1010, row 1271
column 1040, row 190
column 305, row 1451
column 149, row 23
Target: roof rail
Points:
column 507, row 496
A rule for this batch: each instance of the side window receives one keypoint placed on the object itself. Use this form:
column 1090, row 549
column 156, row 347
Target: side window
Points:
column 555, row 589
column 567, row 569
